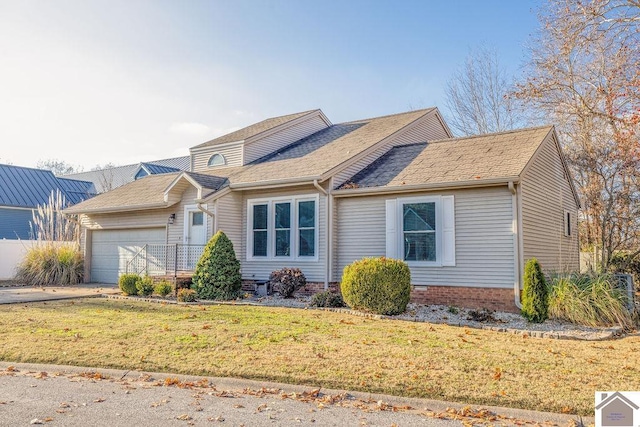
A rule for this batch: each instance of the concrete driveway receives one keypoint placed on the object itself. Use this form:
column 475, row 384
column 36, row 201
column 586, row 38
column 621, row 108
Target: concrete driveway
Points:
column 24, row 294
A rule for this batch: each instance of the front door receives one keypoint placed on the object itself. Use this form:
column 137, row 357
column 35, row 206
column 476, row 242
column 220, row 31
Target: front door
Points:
column 195, row 237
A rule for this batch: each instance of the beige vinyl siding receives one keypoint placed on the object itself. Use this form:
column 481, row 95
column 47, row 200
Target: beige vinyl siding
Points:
column 231, row 152
column 545, row 194
column 428, row 128
column 483, row 233
column 273, row 142
column 260, row 270
column 229, row 218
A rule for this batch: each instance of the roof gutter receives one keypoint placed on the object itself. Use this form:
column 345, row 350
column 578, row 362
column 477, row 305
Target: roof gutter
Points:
column 287, row 182
column 119, row 209
column 515, row 226
column 427, row 187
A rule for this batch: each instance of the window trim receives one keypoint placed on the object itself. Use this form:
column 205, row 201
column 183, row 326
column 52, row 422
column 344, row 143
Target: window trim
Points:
column 224, row 160
column 437, row 200
column 294, row 228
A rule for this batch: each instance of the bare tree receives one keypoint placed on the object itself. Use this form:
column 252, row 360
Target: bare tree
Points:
column 107, row 177
column 585, row 73
column 58, row 167
column 478, row 96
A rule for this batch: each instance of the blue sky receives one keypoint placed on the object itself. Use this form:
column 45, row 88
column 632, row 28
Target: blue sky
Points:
column 93, row 82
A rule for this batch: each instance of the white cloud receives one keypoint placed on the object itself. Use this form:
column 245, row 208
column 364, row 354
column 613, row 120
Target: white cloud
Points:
column 189, row 128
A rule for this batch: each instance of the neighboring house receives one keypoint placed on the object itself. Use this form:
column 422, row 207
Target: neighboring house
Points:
column 299, row 191
column 110, row 178
column 23, row 189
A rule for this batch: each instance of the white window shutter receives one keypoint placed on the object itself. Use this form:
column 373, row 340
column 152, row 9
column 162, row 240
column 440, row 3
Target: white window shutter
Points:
column 392, row 228
column 448, row 231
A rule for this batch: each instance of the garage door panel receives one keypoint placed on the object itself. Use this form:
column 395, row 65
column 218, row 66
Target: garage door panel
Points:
column 113, row 249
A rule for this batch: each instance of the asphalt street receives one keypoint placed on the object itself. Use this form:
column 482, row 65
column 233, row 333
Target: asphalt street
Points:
column 71, row 396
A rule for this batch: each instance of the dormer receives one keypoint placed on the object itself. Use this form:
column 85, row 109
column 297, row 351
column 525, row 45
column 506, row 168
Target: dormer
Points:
column 258, row 140
column 145, row 169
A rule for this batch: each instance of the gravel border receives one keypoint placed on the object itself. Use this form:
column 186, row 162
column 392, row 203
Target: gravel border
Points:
column 436, row 314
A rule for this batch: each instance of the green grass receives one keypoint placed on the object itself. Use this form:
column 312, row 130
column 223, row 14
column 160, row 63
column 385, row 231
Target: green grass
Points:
column 320, row 348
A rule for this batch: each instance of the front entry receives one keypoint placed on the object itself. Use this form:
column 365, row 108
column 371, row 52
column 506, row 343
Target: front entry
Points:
column 195, row 237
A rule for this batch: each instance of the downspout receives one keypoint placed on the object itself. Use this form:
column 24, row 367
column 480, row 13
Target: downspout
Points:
column 327, row 264
column 516, row 244
column 201, row 208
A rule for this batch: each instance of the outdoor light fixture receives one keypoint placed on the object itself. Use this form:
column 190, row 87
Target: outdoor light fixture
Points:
column 172, row 218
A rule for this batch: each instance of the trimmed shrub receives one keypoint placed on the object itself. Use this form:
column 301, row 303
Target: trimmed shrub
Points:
column 327, row 299
column 50, row 264
column 286, row 281
column 380, row 285
column 186, row 295
column 144, row 285
column 128, row 283
column 163, row 288
column 535, row 295
column 217, row 274
column 589, row 300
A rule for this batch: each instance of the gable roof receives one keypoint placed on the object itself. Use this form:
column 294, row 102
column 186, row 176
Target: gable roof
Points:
column 27, row 187
column 254, row 129
column 144, row 193
column 449, row 161
column 314, row 157
column 119, row 175
column 317, row 155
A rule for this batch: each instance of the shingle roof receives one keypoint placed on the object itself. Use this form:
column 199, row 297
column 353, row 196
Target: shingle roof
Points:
column 110, row 178
column 328, row 148
column 28, row 188
column 254, row 129
column 483, row 157
column 312, row 156
column 147, row 191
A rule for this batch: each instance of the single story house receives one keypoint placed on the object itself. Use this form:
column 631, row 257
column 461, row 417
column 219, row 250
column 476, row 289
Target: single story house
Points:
column 113, row 177
column 300, row 191
column 23, row 189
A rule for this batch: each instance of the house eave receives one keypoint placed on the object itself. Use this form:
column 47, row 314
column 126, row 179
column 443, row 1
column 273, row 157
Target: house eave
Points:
column 118, row 209
column 366, row 191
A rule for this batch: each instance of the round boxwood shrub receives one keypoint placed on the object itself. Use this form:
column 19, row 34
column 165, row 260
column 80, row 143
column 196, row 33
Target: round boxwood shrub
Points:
column 380, row 285
column 145, row 286
column 217, row 274
column 535, row 295
column 163, row 288
column 327, row 299
column 128, row 282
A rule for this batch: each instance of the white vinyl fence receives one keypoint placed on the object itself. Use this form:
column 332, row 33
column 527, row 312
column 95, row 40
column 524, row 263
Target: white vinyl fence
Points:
column 11, row 254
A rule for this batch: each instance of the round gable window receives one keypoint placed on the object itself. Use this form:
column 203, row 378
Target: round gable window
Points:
column 217, row 160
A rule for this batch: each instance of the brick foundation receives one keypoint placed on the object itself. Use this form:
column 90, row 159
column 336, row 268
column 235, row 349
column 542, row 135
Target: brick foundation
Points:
column 492, row 298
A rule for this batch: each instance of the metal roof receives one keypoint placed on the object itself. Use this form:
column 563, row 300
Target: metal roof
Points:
column 110, row 178
column 27, row 187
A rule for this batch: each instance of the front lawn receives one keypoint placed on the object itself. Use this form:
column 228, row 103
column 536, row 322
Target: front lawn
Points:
column 322, row 349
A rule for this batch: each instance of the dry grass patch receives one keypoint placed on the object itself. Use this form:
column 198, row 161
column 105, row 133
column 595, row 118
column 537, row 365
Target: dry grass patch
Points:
column 322, row 349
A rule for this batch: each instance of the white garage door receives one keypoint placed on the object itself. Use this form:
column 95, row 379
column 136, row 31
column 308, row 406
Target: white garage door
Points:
column 112, row 249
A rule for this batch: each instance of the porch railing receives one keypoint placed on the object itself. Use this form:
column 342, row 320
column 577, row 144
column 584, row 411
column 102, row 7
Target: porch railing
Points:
column 165, row 260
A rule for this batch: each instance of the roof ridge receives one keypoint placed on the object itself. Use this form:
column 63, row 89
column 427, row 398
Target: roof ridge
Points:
column 27, row 167
column 423, row 110
column 505, row 132
column 73, row 179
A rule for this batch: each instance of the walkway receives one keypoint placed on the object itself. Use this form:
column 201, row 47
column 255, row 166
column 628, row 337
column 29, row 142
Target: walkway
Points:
column 24, row 294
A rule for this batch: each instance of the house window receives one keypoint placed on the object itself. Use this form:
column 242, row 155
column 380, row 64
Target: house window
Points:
column 197, row 218
column 216, row 160
column 307, row 228
column 568, row 231
column 419, row 231
column 283, row 228
column 260, row 231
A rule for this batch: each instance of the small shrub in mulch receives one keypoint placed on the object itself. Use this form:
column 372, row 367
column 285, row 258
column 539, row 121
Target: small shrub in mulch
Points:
column 483, row 315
